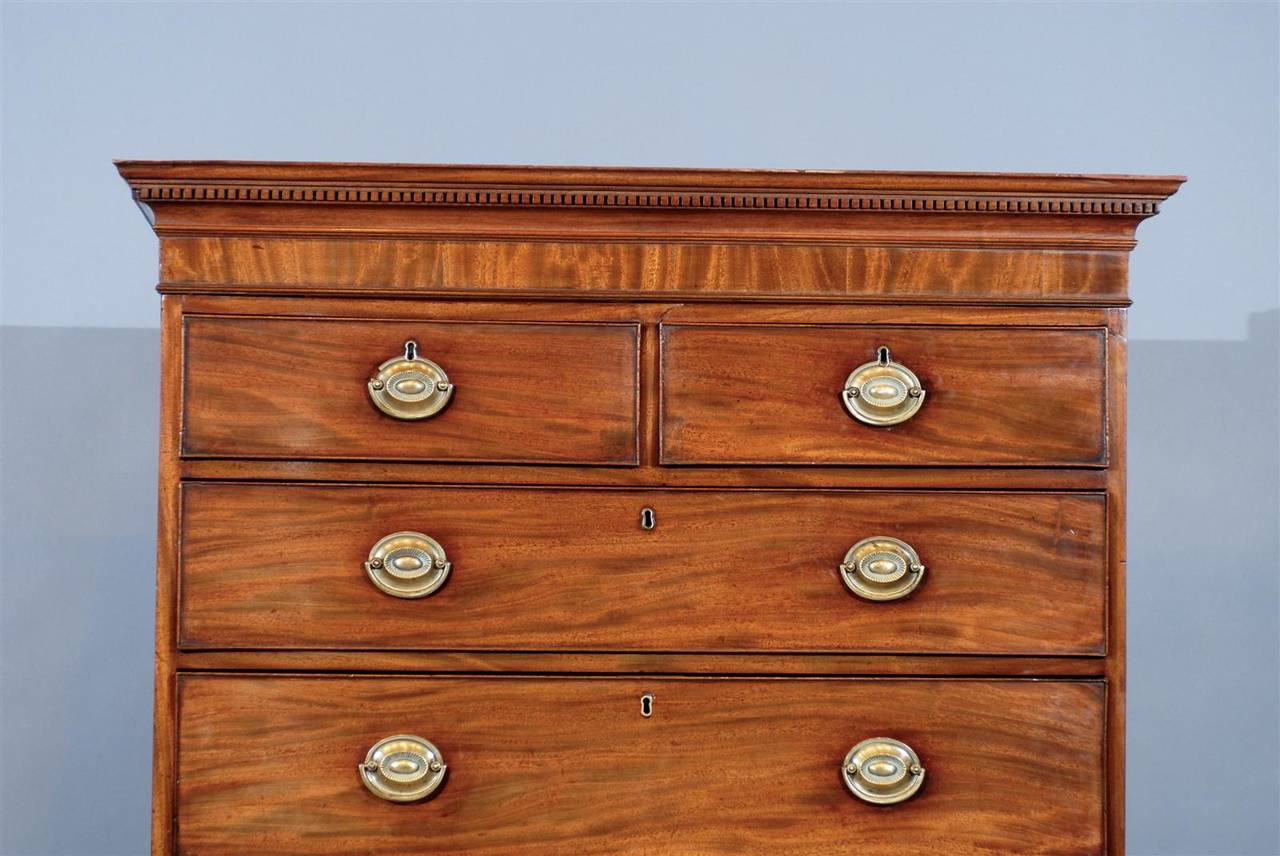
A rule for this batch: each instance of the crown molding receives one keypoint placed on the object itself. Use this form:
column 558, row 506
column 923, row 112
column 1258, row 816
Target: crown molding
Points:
column 200, row 197
column 283, row 172
column 369, row 184
column 150, row 193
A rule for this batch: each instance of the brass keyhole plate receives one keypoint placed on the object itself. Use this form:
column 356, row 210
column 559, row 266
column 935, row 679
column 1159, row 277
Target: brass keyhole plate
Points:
column 646, row 705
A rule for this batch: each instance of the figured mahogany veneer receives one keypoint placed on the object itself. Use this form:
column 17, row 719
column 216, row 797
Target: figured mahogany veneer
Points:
column 545, row 393
column 623, row 339
column 550, row 765
column 764, row 395
column 571, row 570
column 754, row 272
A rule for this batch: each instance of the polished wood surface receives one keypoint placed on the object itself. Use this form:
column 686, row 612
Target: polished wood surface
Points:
column 168, row 542
column 772, row 395
column 573, row 570
column 280, row 388
column 623, row 338
column 368, row 229
column 1059, row 213
column 531, row 309
column 759, row 664
column 723, row 766
column 1117, row 660
column 641, row 271
column 879, row 478
column 184, row 178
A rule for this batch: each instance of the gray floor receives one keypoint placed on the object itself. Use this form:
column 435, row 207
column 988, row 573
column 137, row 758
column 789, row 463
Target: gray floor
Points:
column 78, row 498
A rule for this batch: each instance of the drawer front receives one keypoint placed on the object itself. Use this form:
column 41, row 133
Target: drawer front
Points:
column 270, row 765
column 776, row 395
column 537, row 393
column 283, row 566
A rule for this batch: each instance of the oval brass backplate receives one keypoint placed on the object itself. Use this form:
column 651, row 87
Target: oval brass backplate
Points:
column 882, row 568
column 408, row 564
column 882, row 392
column 882, row 771
column 410, row 387
column 403, row 768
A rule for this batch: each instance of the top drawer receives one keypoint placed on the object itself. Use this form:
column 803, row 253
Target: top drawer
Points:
column 777, row 395
column 299, row 388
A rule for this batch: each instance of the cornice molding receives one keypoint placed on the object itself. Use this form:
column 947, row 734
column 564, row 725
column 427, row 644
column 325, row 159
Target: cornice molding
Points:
column 594, row 188
column 590, row 205
column 150, row 193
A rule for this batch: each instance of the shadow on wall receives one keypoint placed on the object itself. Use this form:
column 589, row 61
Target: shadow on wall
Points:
column 77, row 544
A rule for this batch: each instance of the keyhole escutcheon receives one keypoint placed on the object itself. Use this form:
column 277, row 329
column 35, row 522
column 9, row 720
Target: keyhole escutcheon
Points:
column 646, row 705
column 648, row 519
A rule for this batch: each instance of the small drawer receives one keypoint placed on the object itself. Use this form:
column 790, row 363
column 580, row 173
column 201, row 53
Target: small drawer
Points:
column 631, row 570
column 462, row 391
column 873, row 395
column 302, row 766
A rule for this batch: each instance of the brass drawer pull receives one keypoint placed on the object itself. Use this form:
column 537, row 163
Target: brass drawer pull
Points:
column 881, row 568
column 408, row 564
column 410, row 387
column 882, row 771
column 882, row 392
column 403, row 768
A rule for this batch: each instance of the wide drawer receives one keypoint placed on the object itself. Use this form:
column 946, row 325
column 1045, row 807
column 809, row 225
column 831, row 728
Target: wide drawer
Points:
column 777, row 395
column 521, row 392
column 284, row 566
column 719, row 766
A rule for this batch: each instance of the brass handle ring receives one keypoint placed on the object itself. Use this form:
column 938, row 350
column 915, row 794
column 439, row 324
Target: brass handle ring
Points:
column 882, row 392
column 882, row 568
column 408, row 564
column 402, row 768
column 410, row 387
column 882, row 771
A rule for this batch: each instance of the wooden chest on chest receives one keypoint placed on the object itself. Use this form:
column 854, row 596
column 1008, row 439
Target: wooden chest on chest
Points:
column 539, row 510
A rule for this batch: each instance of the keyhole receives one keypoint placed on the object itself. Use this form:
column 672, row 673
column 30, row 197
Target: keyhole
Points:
column 648, row 519
column 882, row 354
column 410, row 350
column 646, row 705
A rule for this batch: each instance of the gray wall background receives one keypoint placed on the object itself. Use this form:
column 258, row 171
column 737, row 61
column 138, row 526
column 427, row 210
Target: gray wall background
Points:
column 1161, row 88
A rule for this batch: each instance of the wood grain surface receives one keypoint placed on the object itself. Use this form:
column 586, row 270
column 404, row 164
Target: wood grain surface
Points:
column 400, row 472
column 525, row 308
column 1049, row 213
column 758, row 664
column 555, row 765
column 623, row 338
column 650, row 270
column 272, row 566
column 772, row 395
column 541, row 393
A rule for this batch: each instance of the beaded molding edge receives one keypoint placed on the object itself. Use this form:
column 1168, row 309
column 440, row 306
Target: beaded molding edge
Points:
column 148, row 192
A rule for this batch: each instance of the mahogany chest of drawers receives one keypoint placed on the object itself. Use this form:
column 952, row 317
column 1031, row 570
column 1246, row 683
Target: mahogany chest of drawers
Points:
column 541, row 510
